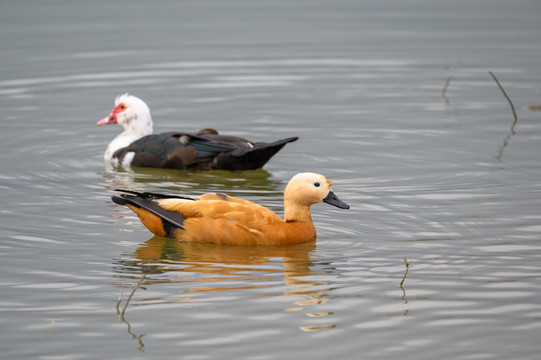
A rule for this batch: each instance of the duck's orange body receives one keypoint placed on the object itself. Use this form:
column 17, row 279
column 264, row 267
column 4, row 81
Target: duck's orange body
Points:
column 223, row 219
column 227, row 221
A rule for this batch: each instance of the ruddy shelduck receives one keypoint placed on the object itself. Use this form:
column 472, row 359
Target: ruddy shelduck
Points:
column 222, row 219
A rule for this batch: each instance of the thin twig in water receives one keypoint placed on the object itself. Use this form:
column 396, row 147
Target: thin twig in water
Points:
column 129, row 297
column 448, row 81
column 406, row 273
column 508, row 99
column 139, row 338
column 120, row 297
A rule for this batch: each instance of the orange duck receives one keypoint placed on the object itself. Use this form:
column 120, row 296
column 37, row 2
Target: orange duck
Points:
column 205, row 149
column 222, row 219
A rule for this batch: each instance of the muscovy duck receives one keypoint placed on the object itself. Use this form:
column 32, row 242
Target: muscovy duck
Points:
column 205, row 149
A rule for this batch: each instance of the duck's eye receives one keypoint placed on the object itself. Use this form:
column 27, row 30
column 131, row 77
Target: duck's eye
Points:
column 316, row 184
column 122, row 106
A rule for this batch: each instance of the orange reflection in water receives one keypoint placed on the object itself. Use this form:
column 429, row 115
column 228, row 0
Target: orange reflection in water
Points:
column 248, row 267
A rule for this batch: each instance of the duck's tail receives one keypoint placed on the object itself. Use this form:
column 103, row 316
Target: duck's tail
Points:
column 157, row 220
column 250, row 158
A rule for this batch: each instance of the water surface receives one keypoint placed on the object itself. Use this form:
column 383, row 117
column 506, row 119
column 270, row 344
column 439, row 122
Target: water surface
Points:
column 444, row 182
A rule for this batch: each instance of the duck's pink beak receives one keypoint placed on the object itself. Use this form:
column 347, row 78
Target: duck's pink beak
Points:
column 110, row 119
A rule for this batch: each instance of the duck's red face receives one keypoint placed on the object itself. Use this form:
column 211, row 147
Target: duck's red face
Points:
column 112, row 117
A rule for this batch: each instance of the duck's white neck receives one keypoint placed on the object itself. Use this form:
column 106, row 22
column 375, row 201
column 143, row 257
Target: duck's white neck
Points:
column 134, row 128
column 137, row 124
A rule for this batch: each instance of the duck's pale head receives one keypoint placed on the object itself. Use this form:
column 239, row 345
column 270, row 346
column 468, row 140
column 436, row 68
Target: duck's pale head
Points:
column 308, row 188
column 131, row 113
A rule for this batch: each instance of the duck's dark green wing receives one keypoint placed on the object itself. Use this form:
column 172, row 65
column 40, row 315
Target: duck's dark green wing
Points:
column 202, row 150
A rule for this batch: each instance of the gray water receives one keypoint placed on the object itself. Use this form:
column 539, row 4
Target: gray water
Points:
column 448, row 183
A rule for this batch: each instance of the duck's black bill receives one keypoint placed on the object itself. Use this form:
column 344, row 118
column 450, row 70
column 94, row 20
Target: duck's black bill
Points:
column 335, row 201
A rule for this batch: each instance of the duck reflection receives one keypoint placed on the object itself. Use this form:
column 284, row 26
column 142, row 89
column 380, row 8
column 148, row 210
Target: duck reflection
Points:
column 207, row 268
column 153, row 180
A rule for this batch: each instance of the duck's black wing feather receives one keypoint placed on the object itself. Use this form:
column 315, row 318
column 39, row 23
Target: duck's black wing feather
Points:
column 202, row 150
